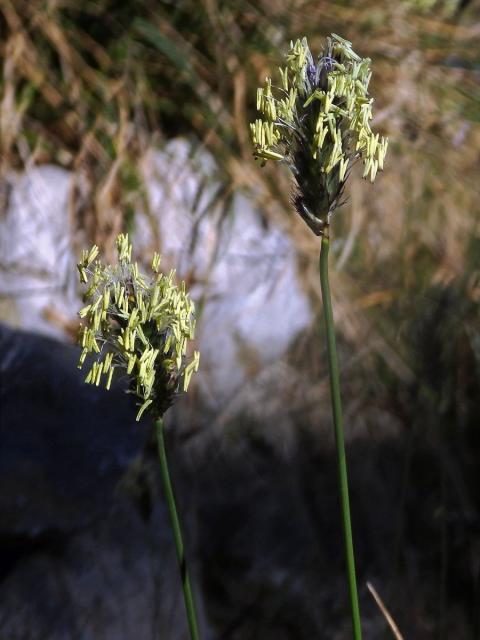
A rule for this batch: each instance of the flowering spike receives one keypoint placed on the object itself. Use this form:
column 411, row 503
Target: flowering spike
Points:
column 321, row 126
column 144, row 323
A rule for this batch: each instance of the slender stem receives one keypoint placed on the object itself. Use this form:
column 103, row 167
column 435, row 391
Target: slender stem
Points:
column 339, row 437
column 177, row 532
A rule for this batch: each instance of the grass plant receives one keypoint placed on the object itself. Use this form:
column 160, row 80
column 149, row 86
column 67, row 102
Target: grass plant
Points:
column 141, row 325
column 318, row 123
column 91, row 86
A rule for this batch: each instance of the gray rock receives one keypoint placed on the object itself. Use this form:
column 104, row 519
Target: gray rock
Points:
column 63, row 444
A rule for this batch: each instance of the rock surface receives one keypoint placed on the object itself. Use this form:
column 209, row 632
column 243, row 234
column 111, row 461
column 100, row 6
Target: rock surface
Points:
column 37, row 265
column 252, row 304
column 63, row 444
column 85, row 544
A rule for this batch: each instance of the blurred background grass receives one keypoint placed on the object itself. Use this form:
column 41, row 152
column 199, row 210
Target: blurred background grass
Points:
column 90, row 85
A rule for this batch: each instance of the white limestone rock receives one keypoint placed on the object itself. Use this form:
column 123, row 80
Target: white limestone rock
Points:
column 254, row 305
column 37, row 265
column 243, row 274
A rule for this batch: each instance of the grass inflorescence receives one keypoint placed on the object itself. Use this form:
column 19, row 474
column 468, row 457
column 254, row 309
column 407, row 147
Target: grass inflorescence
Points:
column 318, row 122
column 136, row 324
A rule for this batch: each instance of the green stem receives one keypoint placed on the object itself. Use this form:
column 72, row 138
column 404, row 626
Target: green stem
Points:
column 177, row 532
column 339, row 437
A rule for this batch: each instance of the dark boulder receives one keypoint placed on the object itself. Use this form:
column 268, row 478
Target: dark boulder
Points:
column 63, row 444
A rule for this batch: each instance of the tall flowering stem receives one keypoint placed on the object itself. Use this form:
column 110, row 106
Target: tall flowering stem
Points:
column 339, row 437
column 177, row 532
column 140, row 326
column 317, row 122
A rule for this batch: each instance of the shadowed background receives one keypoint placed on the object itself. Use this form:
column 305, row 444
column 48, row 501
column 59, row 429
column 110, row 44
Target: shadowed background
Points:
column 134, row 116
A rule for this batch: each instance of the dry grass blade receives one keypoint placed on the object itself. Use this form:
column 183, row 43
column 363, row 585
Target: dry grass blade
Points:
column 385, row 612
